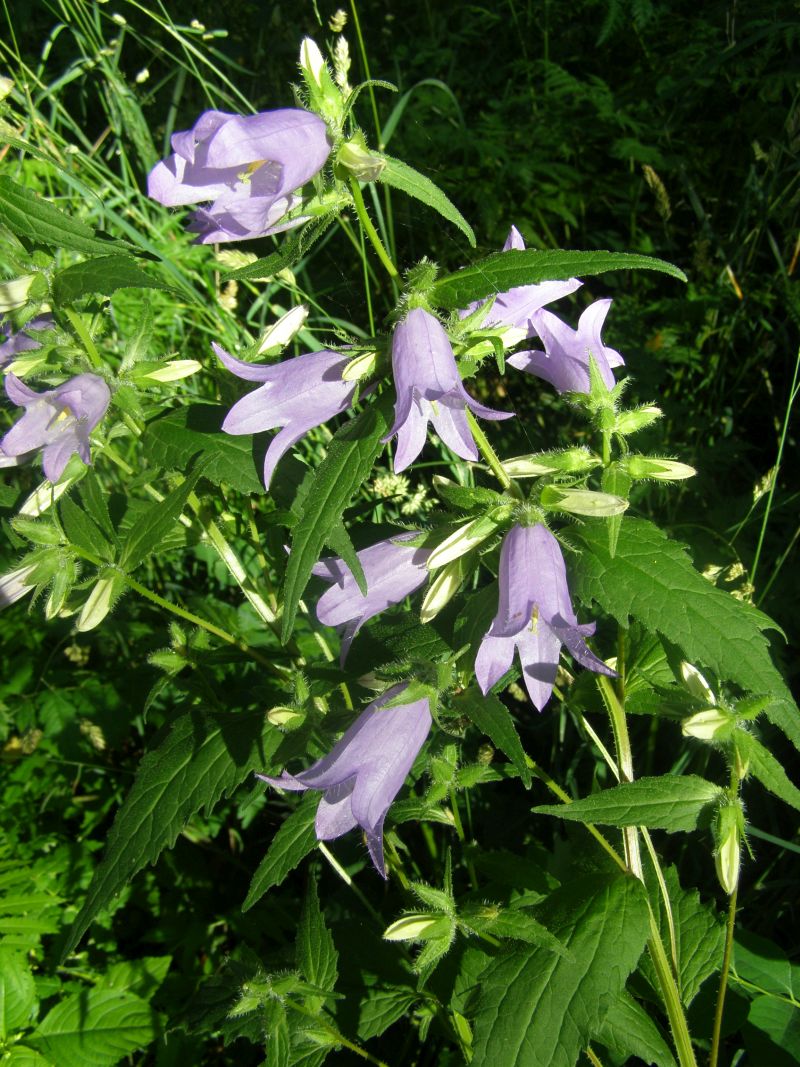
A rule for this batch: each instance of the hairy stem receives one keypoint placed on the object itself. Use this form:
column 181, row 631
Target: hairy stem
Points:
column 369, row 229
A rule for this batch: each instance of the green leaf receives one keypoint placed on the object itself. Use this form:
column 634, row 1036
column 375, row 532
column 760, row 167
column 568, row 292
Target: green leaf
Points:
column 195, row 762
column 149, row 530
column 536, row 1009
column 104, row 275
column 171, row 441
column 780, row 1021
column 764, row 766
column 652, row 579
column 291, row 844
column 21, row 1056
column 339, row 542
column 409, row 181
column 763, row 964
column 142, row 977
column 276, row 1028
column 29, row 216
column 382, row 1007
column 95, row 500
column 290, row 253
column 17, row 993
column 83, row 532
column 628, row 1030
column 316, row 953
column 502, row 271
column 95, row 1028
column 492, row 717
column 671, row 802
column 351, row 454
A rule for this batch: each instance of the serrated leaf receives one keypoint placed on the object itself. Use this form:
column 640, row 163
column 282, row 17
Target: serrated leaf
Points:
column 628, row 1030
column 502, row 271
column 351, row 454
column 142, row 977
column 764, row 766
column 291, row 844
column 290, row 253
column 103, row 275
column 492, row 717
column 193, row 763
column 21, row 1056
column 780, row 1021
column 95, row 500
column 652, row 580
column 156, row 522
column 536, row 1009
column 338, row 541
column 671, row 802
column 316, row 953
column 276, row 1028
column 764, row 965
column 381, row 1008
column 95, row 1028
column 33, row 218
column 17, row 993
column 171, row 441
column 83, row 531
column 409, row 181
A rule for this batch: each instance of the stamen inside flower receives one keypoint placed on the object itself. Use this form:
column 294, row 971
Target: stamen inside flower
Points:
column 534, row 619
column 250, row 170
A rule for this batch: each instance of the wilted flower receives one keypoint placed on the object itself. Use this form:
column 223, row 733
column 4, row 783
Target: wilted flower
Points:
column 58, row 421
column 534, row 616
column 11, row 343
column 392, row 570
column 365, row 770
column 297, row 395
column 429, row 388
column 517, row 306
column 565, row 360
column 13, row 585
column 250, row 166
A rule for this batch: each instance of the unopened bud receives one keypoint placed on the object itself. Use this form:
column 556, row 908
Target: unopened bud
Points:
column 286, row 718
column 728, row 835
column 325, row 97
column 462, row 541
column 281, row 333
column 357, row 160
column 441, row 591
column 6, row 85
column 539, row 463
column 172, row 371
column 637, row 419
column 14, row 293
column 421, row 926
column 582, row 502
column 696, row 683
column 713, row 724
column 99, row 603
column 360, row 367
column 663, row 470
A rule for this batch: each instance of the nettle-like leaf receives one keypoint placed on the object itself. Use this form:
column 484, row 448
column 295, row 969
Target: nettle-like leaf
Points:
column 537, row 1009
column 651, row 579
column 767, row 769
column 492, row 717
column 105, row 275
column 672, row 802
column 502, row 271
column 629, row 1031
column 316, row 953
column 409, row 181
column 17, row 992
column 171, row 441
column 148, row 531
column 351, row 453
column 383, row 1006
column 290, row 846
column 199, row 759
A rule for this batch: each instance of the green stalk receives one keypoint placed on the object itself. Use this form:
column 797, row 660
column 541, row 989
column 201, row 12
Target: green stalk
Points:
column 79, row 327
column 723, row 979
column 489, row 454
column 672, row 999
column 369, row 229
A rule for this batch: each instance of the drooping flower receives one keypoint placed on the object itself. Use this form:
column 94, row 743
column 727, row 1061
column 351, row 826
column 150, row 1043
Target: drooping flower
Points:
column 58, row 421
column 296, row 395
column 13, row 585
column 249, row 166
column 11, row 343
column 565, row 360
column 429, row 388
column 392, row 569
column 518, row 306
column 365, row 770
column 534, row 616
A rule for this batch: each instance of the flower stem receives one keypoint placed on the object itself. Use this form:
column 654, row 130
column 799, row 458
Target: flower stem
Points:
column 369, row 229
column 672, row 999
column 723, row 979
column 79, row 327
column 489, row 454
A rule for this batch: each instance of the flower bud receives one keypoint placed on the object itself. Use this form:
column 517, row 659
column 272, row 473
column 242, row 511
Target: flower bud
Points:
column 630, row 421
column 172, row 371
column 99, row 603
column 582, row 501
column 324, row 96
column 281, row 333
column 421, row 926
column 6, row 85
column 285, row 718
column 463, row 540
column 696, row 683
column 26, row 364
column 14, row 293
column 360, row 367
column 357, row 160
column 712, row 724
column 728, row 837
column 442, row 590
column 539, row 463
column 663, row 470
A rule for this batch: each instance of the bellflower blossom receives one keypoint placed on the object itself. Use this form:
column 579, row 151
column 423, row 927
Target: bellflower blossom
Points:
column 429, row 388
column 365, row 770
column 11, row 344
column 534, row 616
column 517, row 307
column 392, row 571
column 13, row 586
column 58, row 421
column 249, row 166
column 565, row 360
column 296, row 395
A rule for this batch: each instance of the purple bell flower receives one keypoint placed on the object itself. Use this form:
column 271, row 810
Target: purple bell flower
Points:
column 365, row 770
column 429, row 388
column 534, row 616
column 565, row 360
column 517, row 306
column 393, row 570
column 11, row 344
column 249, row 166
column 13, row 585
column 297, row 395
column 58, row 421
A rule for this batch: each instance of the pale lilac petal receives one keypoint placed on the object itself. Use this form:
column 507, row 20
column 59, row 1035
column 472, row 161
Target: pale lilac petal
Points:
column 335, row 812
column 495, row 656
column 411, row 437
column 539, row 653
column 515, row 240
column 518, row 306
column 565, row 361
column 55, row 456
column 451, row 425
column 18, row 392
column 251, row 372
column 21, row 341
column 30, row 432
column 253, row 413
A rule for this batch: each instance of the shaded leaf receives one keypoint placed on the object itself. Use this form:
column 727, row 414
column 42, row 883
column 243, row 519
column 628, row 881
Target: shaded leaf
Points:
column 291, row 844
column 95, row 1028
column 491, row 716
column 409, row 181
column 628, row 1030
column 103, row 275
